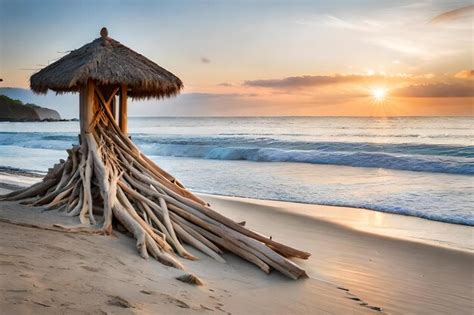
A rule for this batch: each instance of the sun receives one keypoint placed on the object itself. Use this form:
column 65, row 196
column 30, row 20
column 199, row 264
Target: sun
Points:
column 379, row 94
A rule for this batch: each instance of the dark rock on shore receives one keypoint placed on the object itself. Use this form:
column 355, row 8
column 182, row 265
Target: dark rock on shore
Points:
column 15, row 110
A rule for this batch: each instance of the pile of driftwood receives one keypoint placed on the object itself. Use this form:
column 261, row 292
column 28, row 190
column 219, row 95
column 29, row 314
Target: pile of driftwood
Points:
column 108, row 182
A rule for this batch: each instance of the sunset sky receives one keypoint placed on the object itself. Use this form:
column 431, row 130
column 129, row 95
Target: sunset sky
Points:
column 249, row 58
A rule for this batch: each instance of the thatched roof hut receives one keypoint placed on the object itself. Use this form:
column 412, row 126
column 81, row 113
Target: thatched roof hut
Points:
column 107, row 175
column 107, row 62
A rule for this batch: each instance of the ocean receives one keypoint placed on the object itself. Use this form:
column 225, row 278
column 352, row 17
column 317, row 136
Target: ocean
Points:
column 414, row 166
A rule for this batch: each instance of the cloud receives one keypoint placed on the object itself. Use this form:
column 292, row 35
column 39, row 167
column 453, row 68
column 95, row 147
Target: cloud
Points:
column 400, row 45
column 465, row 74
column 329, row 20
column 298, row 82
column 336, row 22
column 205, row 60
column 403, row 86
column 453, row 15
column 197, row 95
column 224, row 84
column 435, row 90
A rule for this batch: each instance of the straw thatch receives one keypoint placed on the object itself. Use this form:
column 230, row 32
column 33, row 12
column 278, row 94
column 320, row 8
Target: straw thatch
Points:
column 107, row 62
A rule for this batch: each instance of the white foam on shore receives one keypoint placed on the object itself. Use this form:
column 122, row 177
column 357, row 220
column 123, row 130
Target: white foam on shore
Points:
column 18, row 180
column 408, row 228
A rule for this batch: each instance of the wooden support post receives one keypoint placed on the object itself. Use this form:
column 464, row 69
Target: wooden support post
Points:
column 86, row 107
column 123, row 109
column 113, row 107
column 82, row 93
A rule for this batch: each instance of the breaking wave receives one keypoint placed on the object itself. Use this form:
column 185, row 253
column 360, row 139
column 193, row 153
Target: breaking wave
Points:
column 453, row 159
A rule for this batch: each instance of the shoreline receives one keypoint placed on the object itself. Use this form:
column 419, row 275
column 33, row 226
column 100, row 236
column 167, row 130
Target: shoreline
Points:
column 355, row 267
column 386, row 224
column 384, row 211
column 32, row 173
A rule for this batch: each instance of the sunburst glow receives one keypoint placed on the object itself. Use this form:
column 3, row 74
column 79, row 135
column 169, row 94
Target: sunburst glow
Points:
column 379, row 94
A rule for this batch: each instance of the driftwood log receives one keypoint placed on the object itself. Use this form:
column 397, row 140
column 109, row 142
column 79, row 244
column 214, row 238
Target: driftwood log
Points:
column 107, row 182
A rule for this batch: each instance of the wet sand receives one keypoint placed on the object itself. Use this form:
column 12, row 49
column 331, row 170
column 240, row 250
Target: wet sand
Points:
column 358, row 265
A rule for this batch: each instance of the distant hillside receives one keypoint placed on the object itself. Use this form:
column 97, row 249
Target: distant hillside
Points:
column 15, row 110
column 67, row 104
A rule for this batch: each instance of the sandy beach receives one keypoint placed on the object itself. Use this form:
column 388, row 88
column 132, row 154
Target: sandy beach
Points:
column 358, row 265
column 236, row 157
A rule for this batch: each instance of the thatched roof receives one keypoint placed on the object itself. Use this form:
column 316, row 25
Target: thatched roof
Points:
column 107, row 62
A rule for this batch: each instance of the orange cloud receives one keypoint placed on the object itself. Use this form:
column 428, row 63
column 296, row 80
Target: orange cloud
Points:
column 465, row 74
column 435, row 90
column 298, row 82
column 426, row 85
column 224, row 84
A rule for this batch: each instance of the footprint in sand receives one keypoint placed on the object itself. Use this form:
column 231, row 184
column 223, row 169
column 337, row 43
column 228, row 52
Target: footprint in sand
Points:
column 206, row 308
column 177, row 302
column 92, row 269
column 121, row 302
column 361, row 302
